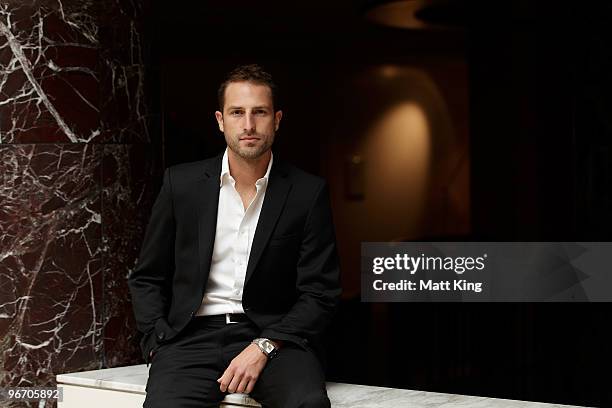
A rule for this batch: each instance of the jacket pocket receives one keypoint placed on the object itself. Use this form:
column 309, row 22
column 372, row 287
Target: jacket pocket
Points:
column 290, row 239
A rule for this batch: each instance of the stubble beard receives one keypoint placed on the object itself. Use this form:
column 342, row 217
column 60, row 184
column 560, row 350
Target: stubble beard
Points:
column 250, row 153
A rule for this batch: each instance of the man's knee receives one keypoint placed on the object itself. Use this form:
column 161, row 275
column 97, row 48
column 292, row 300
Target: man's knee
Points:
column 317, row 399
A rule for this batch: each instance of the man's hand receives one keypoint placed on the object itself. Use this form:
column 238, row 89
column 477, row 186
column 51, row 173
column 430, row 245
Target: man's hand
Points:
column 243, row 372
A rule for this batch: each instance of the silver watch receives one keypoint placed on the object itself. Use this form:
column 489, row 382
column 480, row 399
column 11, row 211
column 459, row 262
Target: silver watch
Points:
column 266, row 346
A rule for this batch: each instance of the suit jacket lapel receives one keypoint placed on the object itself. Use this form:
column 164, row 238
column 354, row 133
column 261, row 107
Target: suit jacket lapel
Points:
column 274, row 201
column 207, row 202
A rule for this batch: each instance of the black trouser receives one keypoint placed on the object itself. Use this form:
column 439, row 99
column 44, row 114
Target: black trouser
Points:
column 184, row 372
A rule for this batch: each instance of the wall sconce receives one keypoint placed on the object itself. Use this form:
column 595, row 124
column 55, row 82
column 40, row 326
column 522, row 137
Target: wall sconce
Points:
column 416, row 14
column 354, row 178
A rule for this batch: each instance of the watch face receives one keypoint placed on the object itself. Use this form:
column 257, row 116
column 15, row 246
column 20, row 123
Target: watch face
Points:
column 268, row 346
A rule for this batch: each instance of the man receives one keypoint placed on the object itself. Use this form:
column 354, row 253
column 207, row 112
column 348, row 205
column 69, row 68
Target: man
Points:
column 238, row 274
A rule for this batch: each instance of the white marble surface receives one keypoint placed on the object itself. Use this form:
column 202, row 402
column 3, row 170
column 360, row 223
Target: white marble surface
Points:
column 134, row 378
column 130, row 378
column 364, row 396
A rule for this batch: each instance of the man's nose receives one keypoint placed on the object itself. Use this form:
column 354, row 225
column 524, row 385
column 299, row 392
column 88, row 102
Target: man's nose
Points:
column 249, row 123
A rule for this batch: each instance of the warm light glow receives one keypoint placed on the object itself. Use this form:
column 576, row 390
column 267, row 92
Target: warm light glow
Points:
column 399, row 14
column 389, row 71
column 398, row 151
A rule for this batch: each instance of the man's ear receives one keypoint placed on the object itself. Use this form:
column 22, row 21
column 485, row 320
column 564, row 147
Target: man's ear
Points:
column 219, row 117
column 277, row 118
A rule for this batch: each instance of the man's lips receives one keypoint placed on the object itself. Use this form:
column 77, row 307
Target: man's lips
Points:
column 249, row 138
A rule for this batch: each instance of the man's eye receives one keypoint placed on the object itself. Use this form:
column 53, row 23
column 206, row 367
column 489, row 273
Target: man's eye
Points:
column 260, row 112
column 236, row 113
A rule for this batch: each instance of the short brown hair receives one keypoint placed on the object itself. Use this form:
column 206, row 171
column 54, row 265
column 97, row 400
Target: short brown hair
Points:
column 249, row 73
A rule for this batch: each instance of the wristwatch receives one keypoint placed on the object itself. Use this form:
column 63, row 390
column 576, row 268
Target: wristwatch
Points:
column 266, row 347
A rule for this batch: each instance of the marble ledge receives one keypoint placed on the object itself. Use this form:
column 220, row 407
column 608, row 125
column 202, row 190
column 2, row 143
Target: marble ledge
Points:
column 133, row 379
column 127, row 379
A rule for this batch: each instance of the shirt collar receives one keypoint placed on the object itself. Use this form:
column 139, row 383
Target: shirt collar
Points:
column 225, row 170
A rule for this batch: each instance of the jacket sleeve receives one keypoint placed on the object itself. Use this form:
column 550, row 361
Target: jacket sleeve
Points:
column 318, row 278
column 150, row 282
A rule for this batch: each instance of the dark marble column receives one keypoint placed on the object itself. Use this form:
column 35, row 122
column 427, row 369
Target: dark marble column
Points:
column 76, row 171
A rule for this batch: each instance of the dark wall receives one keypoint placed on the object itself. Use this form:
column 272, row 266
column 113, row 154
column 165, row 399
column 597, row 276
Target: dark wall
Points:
column 540, row 156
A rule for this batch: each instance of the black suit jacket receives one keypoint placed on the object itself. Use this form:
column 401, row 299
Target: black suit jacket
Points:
column 292, row 285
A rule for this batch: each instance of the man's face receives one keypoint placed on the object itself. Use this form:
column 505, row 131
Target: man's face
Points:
column 248, row 120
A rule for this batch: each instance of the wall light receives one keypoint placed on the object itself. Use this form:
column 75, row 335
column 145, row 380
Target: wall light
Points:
column 416, row 14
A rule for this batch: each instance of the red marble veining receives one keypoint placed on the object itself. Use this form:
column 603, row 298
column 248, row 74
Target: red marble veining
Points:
column 50, row 261
column 72, row 210
column 49, row 91
column 127, row 197
column 123, row 103
column 73, row 71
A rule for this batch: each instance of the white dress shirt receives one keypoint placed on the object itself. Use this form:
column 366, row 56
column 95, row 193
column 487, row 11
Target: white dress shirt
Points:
column 232, row 247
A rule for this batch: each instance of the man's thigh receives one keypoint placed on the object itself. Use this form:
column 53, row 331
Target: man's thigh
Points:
column 293, row 379
column 183, row 373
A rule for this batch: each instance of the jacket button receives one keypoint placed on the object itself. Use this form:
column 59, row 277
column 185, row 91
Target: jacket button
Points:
column 246, row 309
column 305, row 341
column 161, row 335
